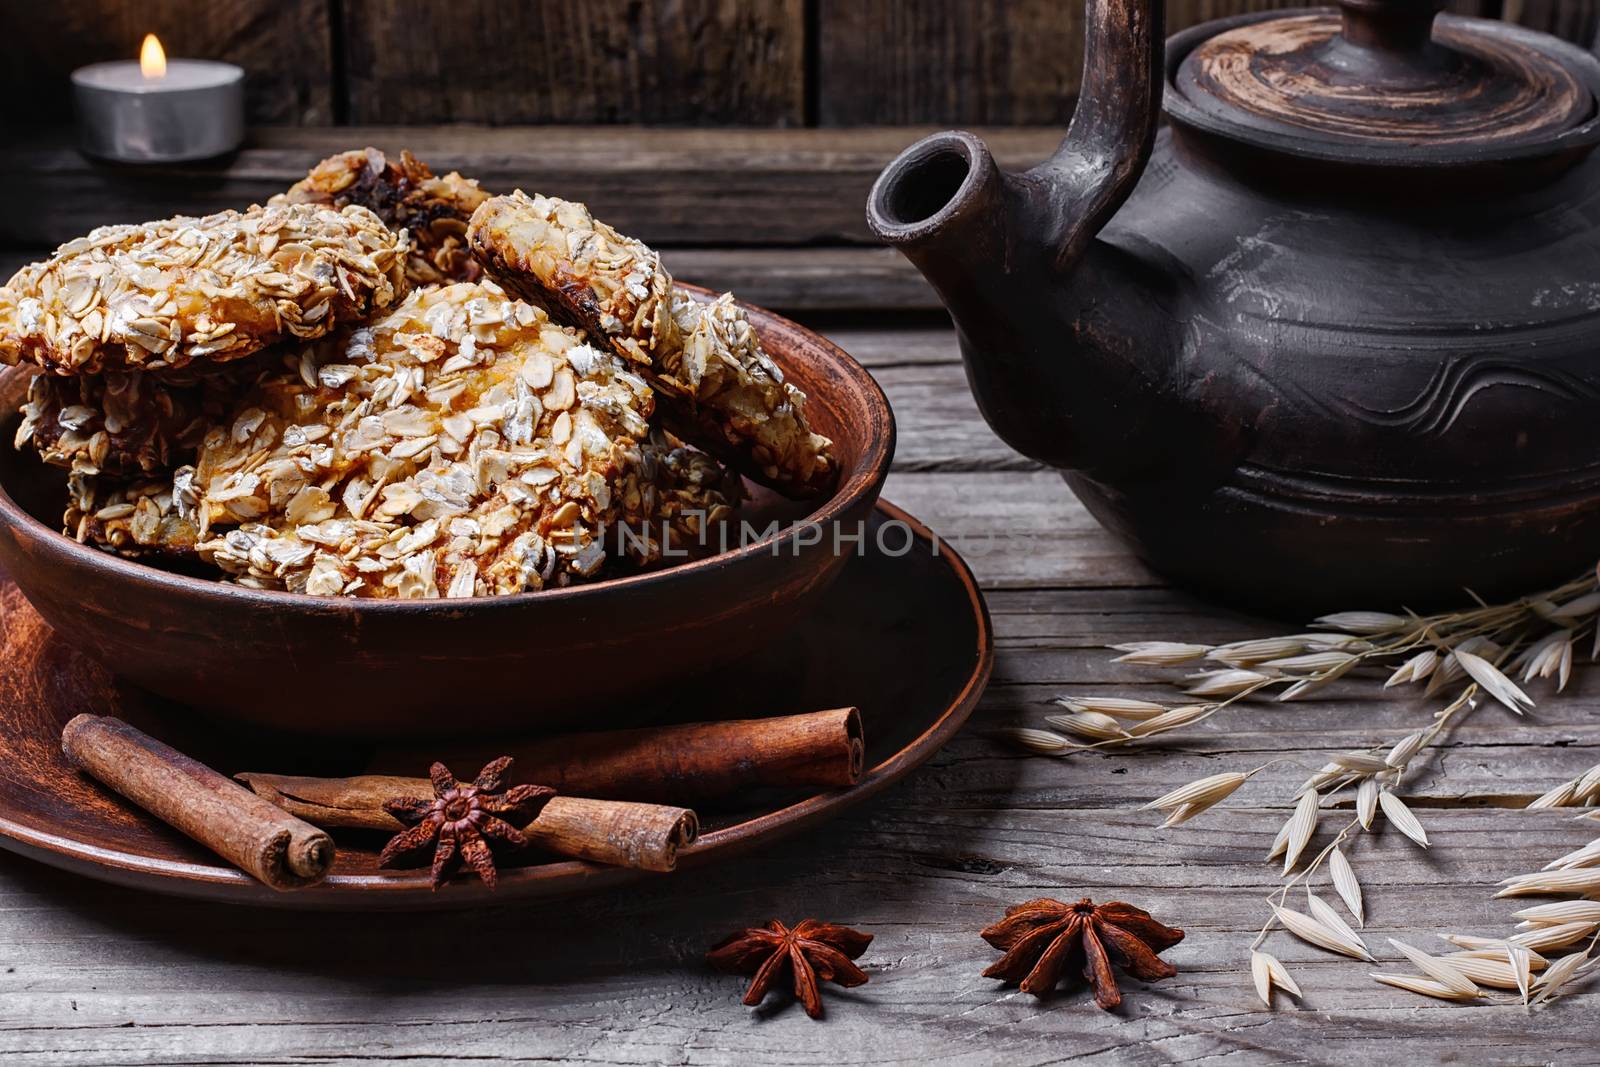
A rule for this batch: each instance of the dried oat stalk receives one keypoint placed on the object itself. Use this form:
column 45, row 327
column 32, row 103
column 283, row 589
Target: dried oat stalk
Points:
column 1551, row 952
column 1463, row 657
column 719, row 389
column 162, row 295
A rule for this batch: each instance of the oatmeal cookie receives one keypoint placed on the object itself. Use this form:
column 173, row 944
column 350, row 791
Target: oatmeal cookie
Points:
column 406, row 195
column 162, row 295
column 144, row 518
column 461, row 445
column 674, row 504
column 128, row 424
column 719, row 390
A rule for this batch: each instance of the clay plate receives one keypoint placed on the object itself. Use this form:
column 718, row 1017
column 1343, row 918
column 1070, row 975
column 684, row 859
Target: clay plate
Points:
column 503, row 664
column 903, row 635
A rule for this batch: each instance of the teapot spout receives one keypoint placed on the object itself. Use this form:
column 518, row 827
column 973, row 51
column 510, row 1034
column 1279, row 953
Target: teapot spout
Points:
column 1063, row 335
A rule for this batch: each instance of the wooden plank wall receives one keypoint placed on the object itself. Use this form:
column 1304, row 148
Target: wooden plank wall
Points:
column 772, row 63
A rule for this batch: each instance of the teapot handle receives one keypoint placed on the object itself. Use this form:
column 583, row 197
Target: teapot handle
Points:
column 1096, row 166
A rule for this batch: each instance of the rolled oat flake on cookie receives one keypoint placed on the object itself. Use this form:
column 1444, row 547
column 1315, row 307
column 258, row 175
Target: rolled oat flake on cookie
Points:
column 161, row 295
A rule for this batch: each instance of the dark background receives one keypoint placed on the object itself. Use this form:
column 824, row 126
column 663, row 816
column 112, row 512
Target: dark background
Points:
column 778, row 63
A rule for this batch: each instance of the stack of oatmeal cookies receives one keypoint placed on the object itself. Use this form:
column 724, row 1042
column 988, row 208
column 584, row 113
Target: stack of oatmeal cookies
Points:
column 387, row 383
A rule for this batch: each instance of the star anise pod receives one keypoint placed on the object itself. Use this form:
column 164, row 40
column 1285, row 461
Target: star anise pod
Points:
column 810, row 951
column 464, row 821
column 1043, row 938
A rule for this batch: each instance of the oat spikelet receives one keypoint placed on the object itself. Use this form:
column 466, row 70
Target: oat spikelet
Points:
column 1493, row 973
column 1551, row 938
column 1259, row 650
column 1415, row 669
column 1494, row 683
column 1521, row 963
column 1331, row 661
column 1562, row 972
column 1267, row 972
column 1345, row 883
column 1182, row 814
column 1425, row 986
column 1360, row 762
column 1367, row 802
column 1159, row 653
column 1581, row 880
column 1041, row 741
column 1443, row 971
column 1301, row 826
column 1225, row 683
column 1089, row 724
column 1363, row 623
column 1313, row 932
column 1203, row 792
column 1324, row 914
column 1584, row 789
column 1561, row 911
column 1401, row 817
column 1117, row 707
column 1281, row 842
column 1542, row 939
column 1171, row 720
column 1405, row 750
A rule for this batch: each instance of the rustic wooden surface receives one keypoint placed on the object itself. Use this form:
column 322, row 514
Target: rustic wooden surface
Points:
column 703, row 62
column 986, row 61
column 778, row 214
column 118, row 978
column 669, row 186
column 111, row 977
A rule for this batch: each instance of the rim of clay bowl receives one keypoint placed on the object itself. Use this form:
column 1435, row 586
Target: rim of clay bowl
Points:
column 855, row 485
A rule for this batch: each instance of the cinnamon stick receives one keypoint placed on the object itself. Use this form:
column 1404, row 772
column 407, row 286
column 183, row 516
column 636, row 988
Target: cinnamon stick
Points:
column 266, row 842
column 689, row 763
column 614, row 832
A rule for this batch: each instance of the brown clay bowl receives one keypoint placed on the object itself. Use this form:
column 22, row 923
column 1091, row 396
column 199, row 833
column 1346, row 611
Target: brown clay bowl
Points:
column 587, row 654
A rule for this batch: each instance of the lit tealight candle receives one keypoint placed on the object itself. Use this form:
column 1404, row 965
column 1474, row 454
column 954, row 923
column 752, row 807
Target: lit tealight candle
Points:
column 159, row 110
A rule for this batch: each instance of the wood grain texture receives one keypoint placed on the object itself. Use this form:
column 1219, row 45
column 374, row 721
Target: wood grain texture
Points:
column 950, row 61
column 664, row 186
column 104, row 977
column 699, row 62
column 283, row 45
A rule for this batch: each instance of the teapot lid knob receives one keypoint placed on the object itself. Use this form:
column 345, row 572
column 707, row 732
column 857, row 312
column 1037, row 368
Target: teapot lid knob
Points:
column 1395, row 27
column 1385, row 82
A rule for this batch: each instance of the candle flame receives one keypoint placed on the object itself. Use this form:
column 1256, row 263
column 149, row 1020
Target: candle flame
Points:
column 152, row 58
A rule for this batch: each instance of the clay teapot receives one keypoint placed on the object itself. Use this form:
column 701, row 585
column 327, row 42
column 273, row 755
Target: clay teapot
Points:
column 1334, row 340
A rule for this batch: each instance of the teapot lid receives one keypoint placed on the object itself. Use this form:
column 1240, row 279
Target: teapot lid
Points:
column 1385, row 82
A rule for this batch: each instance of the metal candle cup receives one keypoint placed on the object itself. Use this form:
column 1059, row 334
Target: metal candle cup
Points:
column 194, row 109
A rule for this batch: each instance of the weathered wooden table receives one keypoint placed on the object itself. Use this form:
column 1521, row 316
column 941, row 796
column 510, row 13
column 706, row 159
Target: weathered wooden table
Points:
column 111, row 977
